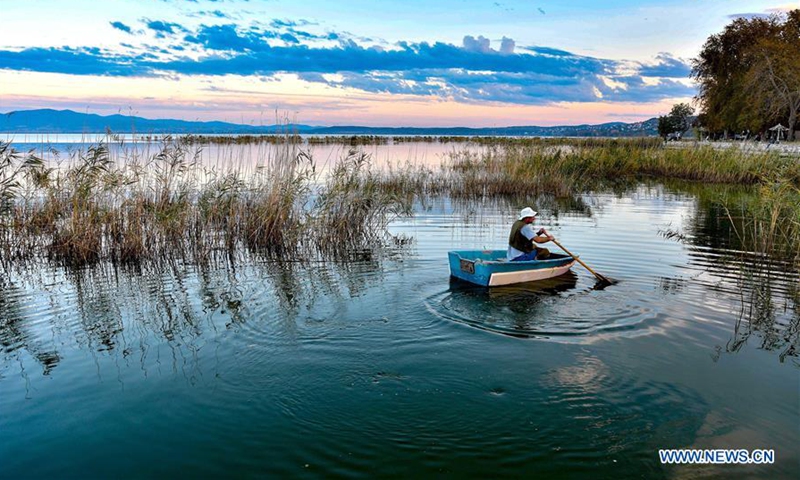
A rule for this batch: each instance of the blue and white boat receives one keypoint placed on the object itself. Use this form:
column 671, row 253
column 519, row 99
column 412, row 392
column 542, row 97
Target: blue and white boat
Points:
column 490, row 268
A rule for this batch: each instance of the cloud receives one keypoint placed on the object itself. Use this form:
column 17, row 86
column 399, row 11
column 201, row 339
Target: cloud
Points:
column 278, row 23
column 783, row 9
column 635, row 89
column 228, row 38
column 163, row 28
column 311, row 36
column 767, row 13
column 470, row 87
column 471, row 72
column 121, row 27
column 549, row 51
column 80, row 61
column 507, row 45
column 214, row 13
column 480, row 44
column 289, row 38
column 666, row 66
column 748, row 16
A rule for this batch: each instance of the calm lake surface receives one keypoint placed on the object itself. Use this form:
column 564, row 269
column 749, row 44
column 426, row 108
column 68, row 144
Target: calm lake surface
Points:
column 63, row 147
column 381, row 366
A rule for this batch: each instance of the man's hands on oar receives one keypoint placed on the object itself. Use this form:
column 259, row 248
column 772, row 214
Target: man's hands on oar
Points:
column 543, row 232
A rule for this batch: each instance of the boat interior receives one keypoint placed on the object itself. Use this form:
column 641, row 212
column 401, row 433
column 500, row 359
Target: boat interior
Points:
column 497, row 255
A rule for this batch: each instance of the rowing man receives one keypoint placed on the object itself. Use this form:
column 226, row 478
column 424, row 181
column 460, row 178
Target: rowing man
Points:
column 524, row 240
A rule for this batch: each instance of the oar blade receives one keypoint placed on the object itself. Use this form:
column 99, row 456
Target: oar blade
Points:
column 601, row 278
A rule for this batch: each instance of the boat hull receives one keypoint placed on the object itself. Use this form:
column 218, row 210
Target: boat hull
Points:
column 489, row 268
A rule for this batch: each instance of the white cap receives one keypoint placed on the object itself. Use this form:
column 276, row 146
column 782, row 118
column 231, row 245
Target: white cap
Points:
column 527, row 212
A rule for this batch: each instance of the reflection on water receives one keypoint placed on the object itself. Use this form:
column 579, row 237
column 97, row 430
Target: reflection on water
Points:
column 555, row 309
column 521, row 310
column 377, row 364
column 615, row 420
column 726, row 255
column 15, row 330
column 770, row 315
column 128, row 311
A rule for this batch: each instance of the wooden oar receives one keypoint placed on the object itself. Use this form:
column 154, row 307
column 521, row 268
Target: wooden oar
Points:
column 599, row 277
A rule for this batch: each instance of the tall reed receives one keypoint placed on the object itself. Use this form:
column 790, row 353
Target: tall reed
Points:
column 354, row 209
column 771, row 219
column 167, row 206
column 14, row 204
column 573, row 168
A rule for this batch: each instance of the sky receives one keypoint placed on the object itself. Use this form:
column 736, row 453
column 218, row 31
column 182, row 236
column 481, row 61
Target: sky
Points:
column 377, row 63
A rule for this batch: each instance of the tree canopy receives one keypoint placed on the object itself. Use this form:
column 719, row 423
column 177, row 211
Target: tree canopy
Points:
column 677, row 121
column 749, row 74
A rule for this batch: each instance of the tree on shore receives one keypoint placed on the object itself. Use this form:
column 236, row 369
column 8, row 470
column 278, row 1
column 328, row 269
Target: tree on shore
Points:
column 774, row 78
column 677, row 121
column 749, row 74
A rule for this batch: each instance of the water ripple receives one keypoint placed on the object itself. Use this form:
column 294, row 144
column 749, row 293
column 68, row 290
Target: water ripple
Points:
column 556, row 310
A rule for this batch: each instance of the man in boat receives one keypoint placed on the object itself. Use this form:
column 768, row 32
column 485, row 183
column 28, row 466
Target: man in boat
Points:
column 524, row 240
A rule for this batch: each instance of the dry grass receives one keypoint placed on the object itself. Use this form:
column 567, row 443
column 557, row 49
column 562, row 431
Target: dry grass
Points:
column 576, row 167
column 166, row 206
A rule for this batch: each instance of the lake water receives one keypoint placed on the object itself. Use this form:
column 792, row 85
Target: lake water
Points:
column 382, row 366
column 240, row 156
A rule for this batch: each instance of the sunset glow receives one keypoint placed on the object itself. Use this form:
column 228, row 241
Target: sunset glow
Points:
column 467, row 63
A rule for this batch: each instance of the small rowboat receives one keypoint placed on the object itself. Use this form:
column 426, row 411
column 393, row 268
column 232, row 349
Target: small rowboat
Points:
column 490, row 268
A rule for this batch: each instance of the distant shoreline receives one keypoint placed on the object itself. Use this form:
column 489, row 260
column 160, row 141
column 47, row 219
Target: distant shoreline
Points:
column 48, row 121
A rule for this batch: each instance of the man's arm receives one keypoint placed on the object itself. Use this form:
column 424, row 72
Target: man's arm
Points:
column 542, row 236
column 536, row 237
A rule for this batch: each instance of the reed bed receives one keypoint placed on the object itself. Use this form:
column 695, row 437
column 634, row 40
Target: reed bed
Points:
column 278, row 139
column 351, row 140
column 354, row 203
column 167, row 205
column 770, row 220
column 587, row 142
column 273, row 139
column 575, row 168
column 355, row 140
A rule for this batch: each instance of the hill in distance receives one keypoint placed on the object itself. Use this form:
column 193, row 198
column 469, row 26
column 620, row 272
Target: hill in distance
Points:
column 68, row 121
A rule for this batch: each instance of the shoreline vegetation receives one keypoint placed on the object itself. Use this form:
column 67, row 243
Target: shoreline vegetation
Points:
column 137, row 209
column 356, row 140
column 747, row 146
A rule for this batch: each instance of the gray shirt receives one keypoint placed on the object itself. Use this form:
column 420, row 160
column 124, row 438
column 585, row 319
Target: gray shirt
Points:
column 529, row 231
